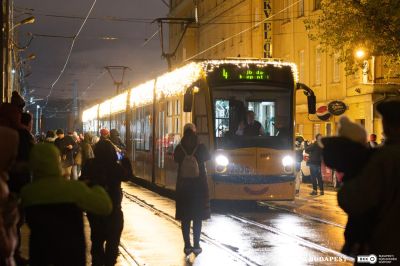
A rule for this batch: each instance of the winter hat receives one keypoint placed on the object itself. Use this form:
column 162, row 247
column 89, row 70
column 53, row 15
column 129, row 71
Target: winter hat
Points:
column 17, row 100
column 352, row 131
column 104, row 132
column 44, row 161
column 59, row 131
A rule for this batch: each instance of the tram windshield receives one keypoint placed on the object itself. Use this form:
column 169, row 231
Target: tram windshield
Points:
column 252, row 116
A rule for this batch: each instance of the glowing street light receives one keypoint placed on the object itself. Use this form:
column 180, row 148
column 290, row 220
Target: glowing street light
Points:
column 360, row 53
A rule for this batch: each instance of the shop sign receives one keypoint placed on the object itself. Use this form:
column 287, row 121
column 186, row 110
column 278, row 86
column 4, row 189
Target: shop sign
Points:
column 322, row 113
column 337, row 107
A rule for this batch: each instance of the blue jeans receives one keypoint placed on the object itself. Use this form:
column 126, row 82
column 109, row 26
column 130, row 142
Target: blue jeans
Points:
column 316, row 177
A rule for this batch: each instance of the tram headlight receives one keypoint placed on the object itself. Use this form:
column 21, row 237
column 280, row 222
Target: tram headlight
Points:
column 221, row 163
column 287, row 161
column 221, row 160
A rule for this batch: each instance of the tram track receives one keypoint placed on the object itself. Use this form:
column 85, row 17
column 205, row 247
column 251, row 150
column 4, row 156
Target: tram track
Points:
column 205, row 237
column 127, row 256
column 305, row 216
column 300, row 241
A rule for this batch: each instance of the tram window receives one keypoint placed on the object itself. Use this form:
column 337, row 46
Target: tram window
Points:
column 221, row 117
column 147, row 132
column 237, row 110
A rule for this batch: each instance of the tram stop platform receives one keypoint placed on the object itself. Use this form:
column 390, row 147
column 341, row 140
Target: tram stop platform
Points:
column 152, row 237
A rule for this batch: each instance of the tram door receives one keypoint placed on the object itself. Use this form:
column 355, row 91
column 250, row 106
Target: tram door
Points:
column 161, row 143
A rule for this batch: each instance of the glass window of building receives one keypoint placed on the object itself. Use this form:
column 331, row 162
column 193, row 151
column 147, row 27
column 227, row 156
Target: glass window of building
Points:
column 317, row 66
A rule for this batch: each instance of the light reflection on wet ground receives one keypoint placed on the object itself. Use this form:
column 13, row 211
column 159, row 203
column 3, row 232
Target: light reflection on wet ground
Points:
column 157, row 241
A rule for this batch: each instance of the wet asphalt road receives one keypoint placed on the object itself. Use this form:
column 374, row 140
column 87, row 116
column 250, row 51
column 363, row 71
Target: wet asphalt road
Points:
column 237, row 233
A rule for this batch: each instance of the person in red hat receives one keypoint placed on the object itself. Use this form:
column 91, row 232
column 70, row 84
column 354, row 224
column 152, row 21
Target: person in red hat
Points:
column 104, row 133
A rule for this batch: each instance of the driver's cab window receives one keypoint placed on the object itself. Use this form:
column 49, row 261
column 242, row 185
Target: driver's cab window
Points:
column 244, row 118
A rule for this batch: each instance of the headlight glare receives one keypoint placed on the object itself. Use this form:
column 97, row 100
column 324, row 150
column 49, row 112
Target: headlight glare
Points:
column 221, row 160
column 287, row 161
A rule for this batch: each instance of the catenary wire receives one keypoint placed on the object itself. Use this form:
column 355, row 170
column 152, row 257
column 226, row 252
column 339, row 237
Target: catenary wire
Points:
column 69, row 53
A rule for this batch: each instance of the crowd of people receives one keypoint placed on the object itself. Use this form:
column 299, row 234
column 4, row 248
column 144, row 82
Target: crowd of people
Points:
column 49, row 183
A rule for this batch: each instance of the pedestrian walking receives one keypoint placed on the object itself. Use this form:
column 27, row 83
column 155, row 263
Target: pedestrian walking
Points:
column 106, row 231
column 9, row 214
column 54, row 211
column 314, row 162
column 299, row 148
column 66, row 145
column 377, row 187
column 192, row 196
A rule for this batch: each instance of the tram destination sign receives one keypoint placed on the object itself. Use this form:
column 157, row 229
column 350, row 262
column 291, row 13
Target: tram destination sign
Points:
column 251, row 73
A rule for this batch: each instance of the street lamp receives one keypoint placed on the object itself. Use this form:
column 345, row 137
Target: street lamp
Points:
column 28, row 20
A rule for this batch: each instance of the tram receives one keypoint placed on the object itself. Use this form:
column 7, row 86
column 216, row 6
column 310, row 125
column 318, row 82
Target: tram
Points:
column 218, row 96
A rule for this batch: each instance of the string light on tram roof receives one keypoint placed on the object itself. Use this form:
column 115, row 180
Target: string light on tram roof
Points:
column 90, row 113
column 176, row 82
column 105, row 108
column 118, row 103
column 142, row 94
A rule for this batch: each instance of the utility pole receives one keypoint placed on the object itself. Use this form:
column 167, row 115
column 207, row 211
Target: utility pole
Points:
column 75, row 103
column 117, row 83
column 161, row 21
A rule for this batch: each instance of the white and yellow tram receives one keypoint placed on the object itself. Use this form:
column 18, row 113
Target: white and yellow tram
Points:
column 215, row 95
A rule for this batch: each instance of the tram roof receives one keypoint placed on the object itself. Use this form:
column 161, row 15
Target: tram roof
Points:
column 172, row 84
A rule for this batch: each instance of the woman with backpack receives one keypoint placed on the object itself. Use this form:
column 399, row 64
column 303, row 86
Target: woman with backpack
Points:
column 192, row 197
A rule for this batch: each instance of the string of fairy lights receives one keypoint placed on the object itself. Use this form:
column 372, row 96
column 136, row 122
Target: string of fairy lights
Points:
column 171, row 84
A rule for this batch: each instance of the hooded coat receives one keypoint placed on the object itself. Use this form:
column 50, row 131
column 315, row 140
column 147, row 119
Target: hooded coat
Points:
column 54, row 210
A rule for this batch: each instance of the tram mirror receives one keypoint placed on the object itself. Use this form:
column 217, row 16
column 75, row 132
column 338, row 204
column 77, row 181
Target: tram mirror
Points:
column 311, row 101
column 188, row 101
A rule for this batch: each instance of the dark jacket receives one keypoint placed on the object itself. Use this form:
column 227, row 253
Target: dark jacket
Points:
column 192, row 196
column 67, row 155
column 104, row 170
column 315, row 154
column 20, row 174
column 377, row 188
column 54, row 208
column 350, row 158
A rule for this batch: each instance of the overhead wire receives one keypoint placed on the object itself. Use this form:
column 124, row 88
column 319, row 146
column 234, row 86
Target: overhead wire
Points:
column 69, row 53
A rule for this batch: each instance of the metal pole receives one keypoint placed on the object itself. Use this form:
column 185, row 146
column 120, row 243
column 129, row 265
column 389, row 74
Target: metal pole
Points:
column 37, row 119
column 2, row 34
column 7, row 51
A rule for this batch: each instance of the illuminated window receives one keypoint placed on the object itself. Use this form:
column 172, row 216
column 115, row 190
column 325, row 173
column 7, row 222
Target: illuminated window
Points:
column 317, row 4
column 301, row 66
column 286, row 13
column 336, row 68
column 317, row 66
column 301, row 8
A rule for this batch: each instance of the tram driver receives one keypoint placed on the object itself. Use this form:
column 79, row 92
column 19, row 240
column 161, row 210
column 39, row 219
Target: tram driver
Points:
column 251, row 127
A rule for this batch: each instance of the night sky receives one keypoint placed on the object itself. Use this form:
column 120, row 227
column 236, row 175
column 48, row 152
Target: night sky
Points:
column 129, row 21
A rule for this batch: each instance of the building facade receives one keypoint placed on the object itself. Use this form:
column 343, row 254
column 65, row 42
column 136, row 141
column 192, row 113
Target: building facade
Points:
column 275, row 28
